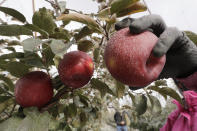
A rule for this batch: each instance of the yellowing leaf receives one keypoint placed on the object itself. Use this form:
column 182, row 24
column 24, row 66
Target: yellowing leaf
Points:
column 5, row 104
column 104, row 14
column 120, row 89
column 83, row 32
column 119, row 5
column 85, row 45
column 85, row 19
column 192, row 36
column 137, row 7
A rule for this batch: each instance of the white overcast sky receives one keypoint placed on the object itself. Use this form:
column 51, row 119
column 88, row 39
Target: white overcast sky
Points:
column 179, row 13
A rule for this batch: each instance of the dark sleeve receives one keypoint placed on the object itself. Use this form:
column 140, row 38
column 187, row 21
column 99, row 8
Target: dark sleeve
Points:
column 117, row 118
column 189, row 82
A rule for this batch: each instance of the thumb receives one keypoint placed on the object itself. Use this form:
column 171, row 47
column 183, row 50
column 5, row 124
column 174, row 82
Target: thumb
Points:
column 166, row 41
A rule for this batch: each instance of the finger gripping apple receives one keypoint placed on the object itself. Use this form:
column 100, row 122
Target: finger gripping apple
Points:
column 129, row 59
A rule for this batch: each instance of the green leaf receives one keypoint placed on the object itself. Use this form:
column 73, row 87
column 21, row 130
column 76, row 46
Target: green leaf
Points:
column 17, row 69
column 57, row 83
column 61, row 34
column 36, row 29
column 85, row 31
column 48, row 55
column 77, row 101
column 156, row 106
column 166, row 91
column 12, row 55
column 2, row 90
column 160, row 83
column 172, row 93
column 67, row 128
column 132, row 98
column 157, row 89
column 137, row 7
column 83, row 118
column 8, row 81
column 14, row 30
column 96, row 54
column 10, row 49
column 14, row 13
column 31, row 44
column 101, row 86
column 44, row 20
column 150, row 99
column 84, row 99
column 192, row 36
column 5, row 101
column 118, row 5
column 85, row 45
column 85, row 19
column 70, row 111
column 58, row 47
column 104, row 14
column 13, row 42
column 120, row 89
column 141, row 104
column 32, row 59
column 4, row 98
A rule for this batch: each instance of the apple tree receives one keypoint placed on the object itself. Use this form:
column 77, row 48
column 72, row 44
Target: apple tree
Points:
column 40, row 44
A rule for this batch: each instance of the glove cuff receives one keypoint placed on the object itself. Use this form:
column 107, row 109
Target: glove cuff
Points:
column 189, row 83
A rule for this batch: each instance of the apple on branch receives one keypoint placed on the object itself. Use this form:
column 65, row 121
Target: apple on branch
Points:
column 34, row 89
column 76, row 69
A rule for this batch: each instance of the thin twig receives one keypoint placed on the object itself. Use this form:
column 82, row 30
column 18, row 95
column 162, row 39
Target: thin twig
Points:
column 7, row 92
column 147, row 7
column 6, row 114
column 12, row 109
column 55, row 5
column 74, row 11
column 34, row 10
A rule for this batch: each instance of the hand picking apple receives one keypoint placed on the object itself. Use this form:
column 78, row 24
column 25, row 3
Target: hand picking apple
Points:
column 128, row 58
column 180, row 51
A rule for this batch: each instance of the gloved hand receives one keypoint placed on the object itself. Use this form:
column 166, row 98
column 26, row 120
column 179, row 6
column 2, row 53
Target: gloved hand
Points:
column 180, row 51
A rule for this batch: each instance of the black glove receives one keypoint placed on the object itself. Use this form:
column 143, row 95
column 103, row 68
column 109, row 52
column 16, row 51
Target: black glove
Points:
column 180, row 51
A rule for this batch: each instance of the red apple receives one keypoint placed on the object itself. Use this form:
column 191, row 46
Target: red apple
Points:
column 129, row 59
column 76, row 69
column 34, row 89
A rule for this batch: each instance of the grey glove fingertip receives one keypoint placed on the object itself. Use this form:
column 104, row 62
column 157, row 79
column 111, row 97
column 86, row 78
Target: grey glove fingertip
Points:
column 135, row 29
column 167, row 41
column 160, row 49
column 123, row 23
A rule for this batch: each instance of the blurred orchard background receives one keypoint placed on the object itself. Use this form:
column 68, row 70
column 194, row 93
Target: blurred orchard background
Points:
column 92, row 107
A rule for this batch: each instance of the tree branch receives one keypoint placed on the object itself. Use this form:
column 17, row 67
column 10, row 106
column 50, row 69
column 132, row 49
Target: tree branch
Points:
column 56, row 99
